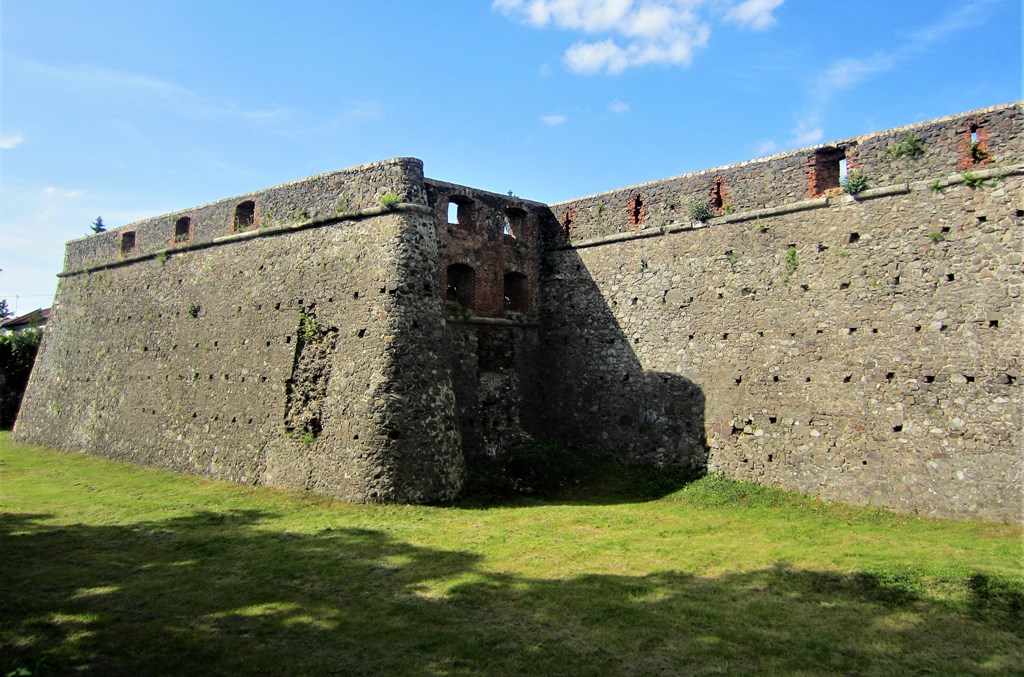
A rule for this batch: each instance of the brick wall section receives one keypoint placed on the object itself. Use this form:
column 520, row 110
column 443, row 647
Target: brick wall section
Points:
column 479, row 241
column 492, row 343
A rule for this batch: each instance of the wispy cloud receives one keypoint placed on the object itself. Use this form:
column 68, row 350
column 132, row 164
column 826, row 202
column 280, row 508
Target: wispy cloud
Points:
column 965, row 16
column 553, row 120
column 852, row 71
column 9, row 141
column 755, row 14
column 807, row 132
column 61, row 193
column 354, row 113
column 765, row 147
column 127, row 86
column 632, row 33
column 36, row 222
column 53, row 201
column 619, row 107
column 849, row 72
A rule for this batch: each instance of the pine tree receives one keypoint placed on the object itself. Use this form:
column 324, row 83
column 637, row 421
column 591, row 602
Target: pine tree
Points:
column 97, row 225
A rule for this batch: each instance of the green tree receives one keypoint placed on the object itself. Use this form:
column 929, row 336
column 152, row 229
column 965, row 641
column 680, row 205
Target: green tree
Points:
column 97, row 225
column 17, row 355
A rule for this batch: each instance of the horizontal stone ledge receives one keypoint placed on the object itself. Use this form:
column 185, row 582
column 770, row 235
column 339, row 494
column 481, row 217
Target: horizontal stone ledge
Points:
column 675, row 227
column 250, row 235
column 617, row 237
column 883, row 191
column 493, row 321
column 779, row 210
column 959, row 178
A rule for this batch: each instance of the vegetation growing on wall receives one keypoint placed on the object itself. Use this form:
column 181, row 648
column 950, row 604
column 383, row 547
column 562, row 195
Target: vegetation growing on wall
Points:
column 855, row 183
column 909, row 146
column 700, row 210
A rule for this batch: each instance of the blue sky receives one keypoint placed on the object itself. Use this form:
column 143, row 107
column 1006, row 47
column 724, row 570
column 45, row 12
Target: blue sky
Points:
column 127, row 109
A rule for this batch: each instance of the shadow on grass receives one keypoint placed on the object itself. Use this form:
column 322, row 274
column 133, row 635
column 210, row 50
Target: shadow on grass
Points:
column 559, row 475
column 219, row 593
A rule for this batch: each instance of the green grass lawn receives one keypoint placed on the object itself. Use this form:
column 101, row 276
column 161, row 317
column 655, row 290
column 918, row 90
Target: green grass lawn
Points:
column 112, row 569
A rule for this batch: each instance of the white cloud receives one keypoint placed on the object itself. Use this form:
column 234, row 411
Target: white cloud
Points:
column 592, row 57
column 9, row 141
column 553, row 120
column 619, row 107
column 631, row 33
column 587, row 15
column 754, row 14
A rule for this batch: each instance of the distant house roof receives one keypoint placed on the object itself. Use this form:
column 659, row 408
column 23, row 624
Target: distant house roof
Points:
column 36, row 318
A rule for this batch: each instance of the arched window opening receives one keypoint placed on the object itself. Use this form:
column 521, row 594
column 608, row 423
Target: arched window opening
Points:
column 127, row 242
column 514, row 222
column 245, row 215
column 182, row 230
column 516, row 292
column 460, row 281
column 460, row 211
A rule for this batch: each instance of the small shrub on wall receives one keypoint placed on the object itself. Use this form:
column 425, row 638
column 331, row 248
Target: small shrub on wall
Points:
column 17, row 355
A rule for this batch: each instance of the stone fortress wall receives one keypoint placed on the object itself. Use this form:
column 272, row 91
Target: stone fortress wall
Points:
column 752, row 319
column 299, row 348
column 865, row 349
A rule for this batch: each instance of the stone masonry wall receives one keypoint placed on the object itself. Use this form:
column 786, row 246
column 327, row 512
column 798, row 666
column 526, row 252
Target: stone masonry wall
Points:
column 865, row 350
column 306, row 357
